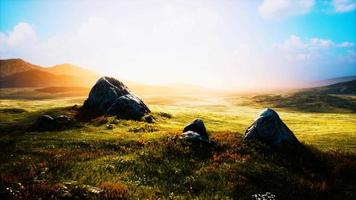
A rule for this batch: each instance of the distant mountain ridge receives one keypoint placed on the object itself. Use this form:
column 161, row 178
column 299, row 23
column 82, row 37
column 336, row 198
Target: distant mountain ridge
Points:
column 38, row 78
column 71, row 70
column 348, row 87
column 19, row 73
column 332, row 81
column 13, row 66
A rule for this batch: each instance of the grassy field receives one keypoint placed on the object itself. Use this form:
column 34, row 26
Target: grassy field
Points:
column 110, row 158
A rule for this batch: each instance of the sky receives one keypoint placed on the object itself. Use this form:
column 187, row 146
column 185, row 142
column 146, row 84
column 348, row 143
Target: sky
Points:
column 227, row 44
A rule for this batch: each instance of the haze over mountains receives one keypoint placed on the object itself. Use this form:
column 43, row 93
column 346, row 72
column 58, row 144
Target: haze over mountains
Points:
column 332, row 81
column 344, row 87
column 17, row 73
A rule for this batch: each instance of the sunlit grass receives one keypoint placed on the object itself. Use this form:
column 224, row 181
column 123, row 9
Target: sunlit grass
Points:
column 137, row 159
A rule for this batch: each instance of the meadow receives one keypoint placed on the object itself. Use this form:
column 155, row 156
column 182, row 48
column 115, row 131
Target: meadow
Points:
column 110, row 158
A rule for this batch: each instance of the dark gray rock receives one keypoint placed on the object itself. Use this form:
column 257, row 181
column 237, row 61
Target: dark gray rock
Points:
column 269, row 128
column 110, row 126
column 128, row 107
column 43, row 123
column 195, row 132
column 197, row 126
column 48, row 123
column 192, row 136
column 104, row 93
column 112, row 97
column 149, row 119
column 63, row 119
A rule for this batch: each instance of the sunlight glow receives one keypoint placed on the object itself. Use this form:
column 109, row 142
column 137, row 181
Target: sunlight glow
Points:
column 231, row 45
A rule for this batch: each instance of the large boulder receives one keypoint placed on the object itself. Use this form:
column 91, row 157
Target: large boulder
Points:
column 110, row 96
column 269, row 128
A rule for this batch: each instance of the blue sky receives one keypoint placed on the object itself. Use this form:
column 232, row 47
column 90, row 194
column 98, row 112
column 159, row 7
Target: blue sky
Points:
column 280, row 43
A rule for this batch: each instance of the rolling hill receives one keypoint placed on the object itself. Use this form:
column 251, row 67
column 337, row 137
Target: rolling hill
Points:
column 39, row 78
column 19, row 73
column 70, row 70
column 13, row 66
column 332, row 81
column 339, row 97
column 348, row 87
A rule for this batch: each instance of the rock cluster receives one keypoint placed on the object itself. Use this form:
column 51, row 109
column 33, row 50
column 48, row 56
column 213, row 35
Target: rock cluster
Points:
column 110, row 96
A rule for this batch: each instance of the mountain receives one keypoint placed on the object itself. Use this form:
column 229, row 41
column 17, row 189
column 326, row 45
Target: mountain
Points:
column 19, row 73
column 348, row 87
column 39, row 78
column 332, row 81
column 13, row 66
column 70, row 70
column 337, row 98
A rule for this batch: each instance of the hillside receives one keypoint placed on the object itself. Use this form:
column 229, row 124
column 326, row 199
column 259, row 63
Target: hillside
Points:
column 13, row 66
column 16, row 73
column 19, row 73
column 140, row 160
column 332, row 81
column 348, row 87
column 39, row 78
column 333, row 98
column 70, row 70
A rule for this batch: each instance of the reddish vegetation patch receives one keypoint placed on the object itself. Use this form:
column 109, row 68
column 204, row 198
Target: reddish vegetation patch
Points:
column 114, row 190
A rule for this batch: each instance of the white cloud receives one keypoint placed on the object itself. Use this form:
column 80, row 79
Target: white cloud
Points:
column 20, row 38
column 347, row 44
column 296, row 43
column 314, row 49
column 130, row 48
column 344, row 5
column 292, row 42
column 320, row 43
column 277, row 9
column 178, row 42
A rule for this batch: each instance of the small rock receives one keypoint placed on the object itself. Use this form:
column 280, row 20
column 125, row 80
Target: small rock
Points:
column 197, row 126
column 109, row 126
column 75, row 107
column 63, row 118
column 114, row 121
column 48, row 123
column 193, row 137
column 43, row 123
column 196, row 132
column 149, row 119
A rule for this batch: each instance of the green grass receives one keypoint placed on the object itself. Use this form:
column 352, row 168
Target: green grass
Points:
column 140, row 160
